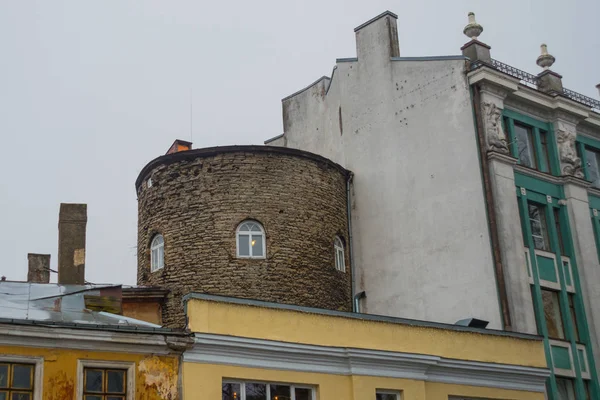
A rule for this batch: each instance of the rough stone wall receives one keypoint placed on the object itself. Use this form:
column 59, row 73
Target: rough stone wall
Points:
column 197, row 203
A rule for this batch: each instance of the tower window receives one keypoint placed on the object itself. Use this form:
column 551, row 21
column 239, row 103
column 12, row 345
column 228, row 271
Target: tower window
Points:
column 340, row 261
column 157, row 253
column 250, row 240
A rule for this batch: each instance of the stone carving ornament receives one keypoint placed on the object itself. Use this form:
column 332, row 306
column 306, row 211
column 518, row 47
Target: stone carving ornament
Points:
column 495, row 136
column 570, row 164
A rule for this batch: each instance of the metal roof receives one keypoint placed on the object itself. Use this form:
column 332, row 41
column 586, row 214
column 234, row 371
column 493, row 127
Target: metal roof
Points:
column 54, row 303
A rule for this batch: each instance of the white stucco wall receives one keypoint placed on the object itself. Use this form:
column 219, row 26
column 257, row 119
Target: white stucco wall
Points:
column 421, row 241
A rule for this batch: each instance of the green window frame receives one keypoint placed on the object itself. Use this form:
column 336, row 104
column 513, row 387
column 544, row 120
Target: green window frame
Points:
column 540, row 152
column 569, row 356
column 587, row 148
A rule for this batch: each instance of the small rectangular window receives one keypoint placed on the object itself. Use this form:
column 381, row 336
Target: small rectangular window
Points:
column 525, row 150
column 593, row 166
column 552, row 314
column 387, row 395
column 539, row 228
column 104, row 384
column 16, row 381
column 566, row 389
column 265, row 391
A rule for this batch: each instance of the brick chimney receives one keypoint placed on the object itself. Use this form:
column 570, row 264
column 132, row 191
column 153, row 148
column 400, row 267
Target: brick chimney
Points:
column 39, row 268
column 179, row 145
column 72, row 221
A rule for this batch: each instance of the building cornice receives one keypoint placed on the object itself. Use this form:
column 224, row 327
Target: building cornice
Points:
column 267, row 354
column 96, row 340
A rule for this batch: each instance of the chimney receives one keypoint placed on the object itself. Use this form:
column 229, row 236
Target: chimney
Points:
column 179, row 145
column 39, row 268
column 598, row 87
column 378, row 37
column 72, row 220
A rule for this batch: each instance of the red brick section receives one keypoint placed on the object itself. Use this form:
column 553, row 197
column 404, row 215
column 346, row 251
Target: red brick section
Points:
column 196, row 202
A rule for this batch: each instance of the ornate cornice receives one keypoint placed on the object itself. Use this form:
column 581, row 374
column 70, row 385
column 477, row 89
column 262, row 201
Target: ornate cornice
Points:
column 268, row 354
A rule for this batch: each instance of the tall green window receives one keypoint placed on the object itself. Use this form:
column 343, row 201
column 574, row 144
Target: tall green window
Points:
column 552, row 271
column 589, row 152
column 531, row 142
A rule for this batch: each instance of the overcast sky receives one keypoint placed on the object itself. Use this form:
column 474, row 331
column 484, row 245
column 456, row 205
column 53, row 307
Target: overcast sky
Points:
column 90, row 91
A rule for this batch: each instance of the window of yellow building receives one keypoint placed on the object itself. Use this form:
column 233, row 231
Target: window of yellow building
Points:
column 233, row 390
column 16, row 381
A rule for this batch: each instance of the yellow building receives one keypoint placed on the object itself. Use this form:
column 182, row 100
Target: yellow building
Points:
column 54, row 348
column 251, row 350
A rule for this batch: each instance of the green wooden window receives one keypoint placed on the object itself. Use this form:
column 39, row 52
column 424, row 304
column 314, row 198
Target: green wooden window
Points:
column 16, row 381
column 589, row 152
column 104, row 384
column 531, row 142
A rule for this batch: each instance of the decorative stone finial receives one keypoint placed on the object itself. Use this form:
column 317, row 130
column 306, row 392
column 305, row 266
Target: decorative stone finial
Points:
column 545, row 60
column 473, row 29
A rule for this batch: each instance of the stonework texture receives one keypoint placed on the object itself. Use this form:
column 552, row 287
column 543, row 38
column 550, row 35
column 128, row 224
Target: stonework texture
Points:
column 197, row 200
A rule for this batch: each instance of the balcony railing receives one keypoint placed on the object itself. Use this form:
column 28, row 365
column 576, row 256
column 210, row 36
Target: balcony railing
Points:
column 532, row 81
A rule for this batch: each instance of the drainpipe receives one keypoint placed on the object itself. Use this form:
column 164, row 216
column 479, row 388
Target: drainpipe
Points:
column 491, row 212
column 357, row 298
column 351, row 248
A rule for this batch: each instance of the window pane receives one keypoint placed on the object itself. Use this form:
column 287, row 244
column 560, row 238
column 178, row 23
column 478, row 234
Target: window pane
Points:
column 545, row 157
column 565, row 389
column 256, row 391
column 303, row 394
column 231, row 391
column 244, row 245
column 3, row 395
column 552, row 314
column 93, row 397
column 573, row 317
column 115, row 381
column 22, row 376
column 539, row 231
column 280, row 392
column 21, row 396
column 93, row 380
column 254, row 227
column 115, row 397
column 257, row 245
column 3, row 375
column 524, row 145
column 386, row 396
column 592, row 166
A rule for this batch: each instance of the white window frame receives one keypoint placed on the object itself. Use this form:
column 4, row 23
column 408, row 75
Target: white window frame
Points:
column 250, row 234
column 584, row 375
column 545, row 283
column 129, row 366
column 396, row 393
column 155, row 265
column 570, row 288
column 38, row 371
column 570, row 373
column 340, row 256
column 292, row 386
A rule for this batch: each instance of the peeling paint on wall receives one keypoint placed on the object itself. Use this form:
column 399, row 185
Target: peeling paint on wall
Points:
column 160, row 375
column 60, row 387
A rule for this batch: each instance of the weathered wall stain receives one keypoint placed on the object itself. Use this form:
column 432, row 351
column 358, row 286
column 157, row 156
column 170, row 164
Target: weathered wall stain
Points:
column 161, row 375
column 60, row 387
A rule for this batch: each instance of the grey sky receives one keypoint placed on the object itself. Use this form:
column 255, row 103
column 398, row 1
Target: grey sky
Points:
column 90, row 91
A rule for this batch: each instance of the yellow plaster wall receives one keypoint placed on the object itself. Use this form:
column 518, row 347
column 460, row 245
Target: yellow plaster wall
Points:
column 156, row 376
column 300, row 327
column 203, row 382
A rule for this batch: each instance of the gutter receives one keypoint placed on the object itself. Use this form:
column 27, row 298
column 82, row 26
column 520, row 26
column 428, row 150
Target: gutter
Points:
column 491, row 212
column 350, row 247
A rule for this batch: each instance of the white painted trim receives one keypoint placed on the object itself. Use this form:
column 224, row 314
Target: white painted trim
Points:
column 570, row 288
column 38, row 372
column 584, row 375
column 543, row 282
column 80, row 339
column 268, row 354
column 528, row 265
column 562, row 371
column 129, row 366
column 250, row 234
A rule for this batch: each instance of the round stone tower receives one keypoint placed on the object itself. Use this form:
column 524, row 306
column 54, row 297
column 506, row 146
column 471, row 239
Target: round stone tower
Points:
column 257, row 222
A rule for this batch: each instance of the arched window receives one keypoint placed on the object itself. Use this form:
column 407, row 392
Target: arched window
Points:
column 157, row 253
column 340, row 261
column 250, row 240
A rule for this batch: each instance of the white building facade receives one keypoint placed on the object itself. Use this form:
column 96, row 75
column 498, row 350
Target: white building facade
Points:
column 475, row 194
